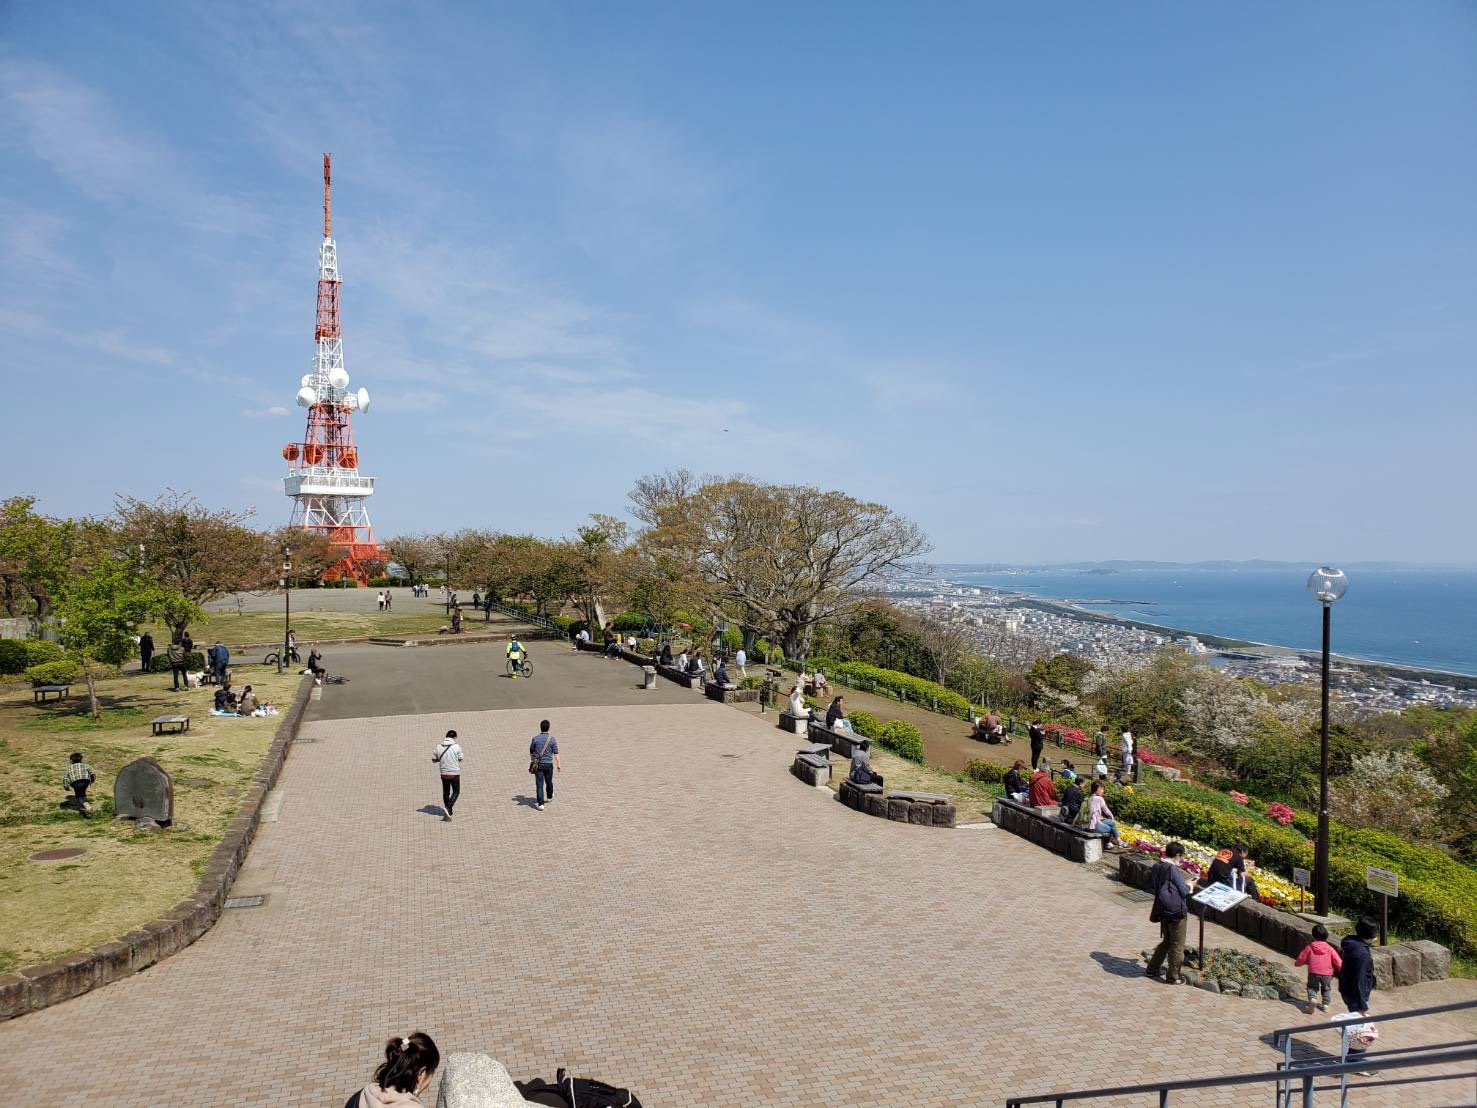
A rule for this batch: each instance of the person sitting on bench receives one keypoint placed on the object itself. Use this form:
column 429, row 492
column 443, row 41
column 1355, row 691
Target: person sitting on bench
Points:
column 665, row 657
column 835, row 713
column 1015, row 785
column 862, row 772
column 797, row 703
column 1041, row 791
column 820, row 683
column 1071, row 800
column 695, row 665
column 720, row 676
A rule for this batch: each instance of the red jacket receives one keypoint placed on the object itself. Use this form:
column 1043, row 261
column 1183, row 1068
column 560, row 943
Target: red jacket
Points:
column 1320, row 958
column 1042, row 792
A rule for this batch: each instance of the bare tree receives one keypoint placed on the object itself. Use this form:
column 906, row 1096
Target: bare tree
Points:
column 415, row 554
column 946, row 643
column 787, row 556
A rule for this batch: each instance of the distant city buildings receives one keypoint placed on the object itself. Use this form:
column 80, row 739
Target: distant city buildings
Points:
column 1017, row 628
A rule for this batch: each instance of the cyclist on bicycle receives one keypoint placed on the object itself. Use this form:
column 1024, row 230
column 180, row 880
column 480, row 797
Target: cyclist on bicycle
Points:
column 516, row 654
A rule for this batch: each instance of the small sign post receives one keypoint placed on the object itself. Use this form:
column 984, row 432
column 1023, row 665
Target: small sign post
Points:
column 1222, row 898
column 1387, row 884
column 1300, row 879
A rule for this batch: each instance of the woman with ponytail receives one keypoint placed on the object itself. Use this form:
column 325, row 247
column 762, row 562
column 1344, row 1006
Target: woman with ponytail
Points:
column 402, row 1076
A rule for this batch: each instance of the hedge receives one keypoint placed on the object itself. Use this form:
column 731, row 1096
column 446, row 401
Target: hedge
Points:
column 63, row 671
column 18, row 655
column 902, row 738
column 194, row 660
column 898, row 686
column 1438, row 896
column 988, row 772
column 865, row 724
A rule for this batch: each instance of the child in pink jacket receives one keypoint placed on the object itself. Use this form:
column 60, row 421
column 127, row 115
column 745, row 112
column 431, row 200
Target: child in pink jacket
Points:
column 1323, row 962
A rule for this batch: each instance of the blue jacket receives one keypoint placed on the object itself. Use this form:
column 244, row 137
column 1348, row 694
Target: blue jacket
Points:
column 1356, row 976
column 220, row 655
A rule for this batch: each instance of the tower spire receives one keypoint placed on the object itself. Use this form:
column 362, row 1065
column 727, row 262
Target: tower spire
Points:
column 323, row 478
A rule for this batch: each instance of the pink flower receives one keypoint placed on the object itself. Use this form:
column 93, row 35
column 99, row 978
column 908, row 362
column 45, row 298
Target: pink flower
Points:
column 1239, row 798
column 1281, row 813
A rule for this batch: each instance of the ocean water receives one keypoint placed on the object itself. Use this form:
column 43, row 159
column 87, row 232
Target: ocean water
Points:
column 1420, row 617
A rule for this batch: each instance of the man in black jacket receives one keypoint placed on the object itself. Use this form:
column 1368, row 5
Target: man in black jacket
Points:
column 1356, row 975
column 1038, row 742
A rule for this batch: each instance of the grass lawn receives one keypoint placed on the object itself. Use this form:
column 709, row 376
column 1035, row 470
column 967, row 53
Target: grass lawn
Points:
column 233, row 628
column 125, row 879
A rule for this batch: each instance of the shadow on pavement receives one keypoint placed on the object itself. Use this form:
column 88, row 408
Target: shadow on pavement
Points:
column 432, row 810
column 1118, row 967
column 526, row 801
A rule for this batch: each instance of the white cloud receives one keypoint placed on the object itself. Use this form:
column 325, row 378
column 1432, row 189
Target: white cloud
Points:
column 274, row 411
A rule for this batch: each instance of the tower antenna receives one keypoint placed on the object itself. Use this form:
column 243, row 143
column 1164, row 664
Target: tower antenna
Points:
column 327, row 210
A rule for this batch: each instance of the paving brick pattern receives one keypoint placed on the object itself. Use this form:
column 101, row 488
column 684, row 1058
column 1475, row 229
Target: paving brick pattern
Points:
column 685, row 918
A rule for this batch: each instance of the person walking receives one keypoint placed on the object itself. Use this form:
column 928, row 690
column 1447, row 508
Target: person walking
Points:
column 145, row 651
column 456, row 621
column 1170, row 911
column 741, row 660
column 1356, row 974
column 389, row 600
column 405, row 1073
column 177, row 658
column 1127, row 752
column 543, row 753
column 1323, row 962
column 1038, row 742
column 77, row 776
column 448, row 759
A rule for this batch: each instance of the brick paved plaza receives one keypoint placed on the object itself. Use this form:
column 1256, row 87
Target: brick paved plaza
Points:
column 685, row 918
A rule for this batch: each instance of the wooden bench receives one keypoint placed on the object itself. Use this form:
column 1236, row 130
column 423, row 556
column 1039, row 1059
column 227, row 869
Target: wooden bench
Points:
column 1044, row 828
column 844, row 741
column 42, row 693
column 174, row 725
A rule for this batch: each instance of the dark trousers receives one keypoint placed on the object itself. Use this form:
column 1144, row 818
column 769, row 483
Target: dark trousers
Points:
column 143, row 662
column 1036, row 753
column 79, row 788
column 1171, row 946
column 451, row 789
column 179, row 674
column 543, row 782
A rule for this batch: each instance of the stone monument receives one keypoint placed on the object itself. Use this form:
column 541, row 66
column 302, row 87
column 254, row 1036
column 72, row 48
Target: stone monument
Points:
column 143, row 790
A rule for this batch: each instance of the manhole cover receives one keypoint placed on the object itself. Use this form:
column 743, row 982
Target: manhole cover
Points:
column 57, row 855
column 245, row 901
column 196, row 782
column 1136, row 894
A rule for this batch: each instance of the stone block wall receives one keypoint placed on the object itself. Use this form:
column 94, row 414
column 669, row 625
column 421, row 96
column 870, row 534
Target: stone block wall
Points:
column 898, row 809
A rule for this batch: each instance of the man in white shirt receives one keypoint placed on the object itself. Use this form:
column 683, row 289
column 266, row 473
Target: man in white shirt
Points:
column 448, row 759
column 741, row 660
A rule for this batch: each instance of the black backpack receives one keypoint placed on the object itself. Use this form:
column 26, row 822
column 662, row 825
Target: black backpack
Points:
column 575, row 1092
column 1169, row 902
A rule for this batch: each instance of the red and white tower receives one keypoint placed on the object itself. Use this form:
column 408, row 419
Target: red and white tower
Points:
column 323, row 478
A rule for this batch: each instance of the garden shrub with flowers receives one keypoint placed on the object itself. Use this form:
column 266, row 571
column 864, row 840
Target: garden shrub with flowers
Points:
column 1281, row 813
column 1274, row 891
column 1076, row 737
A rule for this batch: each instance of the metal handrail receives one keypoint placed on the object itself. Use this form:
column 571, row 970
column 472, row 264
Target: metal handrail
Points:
column 1305, row 1076
column 1283, row 1037
column 528, row 617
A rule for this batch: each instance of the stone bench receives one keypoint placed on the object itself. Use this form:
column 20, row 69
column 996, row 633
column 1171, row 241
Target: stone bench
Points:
column 821, row 749
column 813, row 769
column 730, row 693
column 42, row 693
column 843, row 740
column 793, row 724
column 170, row 724
column 1043, row 828
column 1288, row 933
column 900, row 806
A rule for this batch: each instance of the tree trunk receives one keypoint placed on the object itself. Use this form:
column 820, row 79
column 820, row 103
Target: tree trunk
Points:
column 177, row 631
column 91, row 690
column 750, row 634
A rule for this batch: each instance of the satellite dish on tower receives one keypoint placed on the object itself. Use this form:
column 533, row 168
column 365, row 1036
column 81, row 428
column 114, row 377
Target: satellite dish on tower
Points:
column 338, row 377
column 306, row 397
column 363, row 396
column 307, row 380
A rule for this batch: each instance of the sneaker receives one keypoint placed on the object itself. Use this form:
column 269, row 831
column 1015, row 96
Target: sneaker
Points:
column 540, row 807
column 445, row 818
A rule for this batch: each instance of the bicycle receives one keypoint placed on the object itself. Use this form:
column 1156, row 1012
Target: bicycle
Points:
column 523, row 668
column 292, row 658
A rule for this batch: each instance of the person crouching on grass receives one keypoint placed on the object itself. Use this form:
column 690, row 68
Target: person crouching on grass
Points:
column 77, row 777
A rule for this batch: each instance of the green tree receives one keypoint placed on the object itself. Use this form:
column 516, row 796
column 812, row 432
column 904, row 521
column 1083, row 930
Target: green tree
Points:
column 39, row 553
column 100, row 612
column 1450, row 749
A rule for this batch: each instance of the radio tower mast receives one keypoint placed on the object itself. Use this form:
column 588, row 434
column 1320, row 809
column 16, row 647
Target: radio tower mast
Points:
column 323, row 478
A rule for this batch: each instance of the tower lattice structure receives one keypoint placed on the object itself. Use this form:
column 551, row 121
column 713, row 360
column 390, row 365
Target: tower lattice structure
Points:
column 323, row 479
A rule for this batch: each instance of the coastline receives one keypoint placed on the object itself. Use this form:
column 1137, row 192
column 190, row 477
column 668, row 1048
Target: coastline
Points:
column 1222, row 644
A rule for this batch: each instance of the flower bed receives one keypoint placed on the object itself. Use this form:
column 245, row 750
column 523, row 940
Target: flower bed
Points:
column 1272, row 890
column 1075, row 736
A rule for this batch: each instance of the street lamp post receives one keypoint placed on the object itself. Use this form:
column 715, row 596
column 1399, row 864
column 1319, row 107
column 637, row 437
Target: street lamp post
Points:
column 448, row 581
column 286, row 605
column 1327, row 585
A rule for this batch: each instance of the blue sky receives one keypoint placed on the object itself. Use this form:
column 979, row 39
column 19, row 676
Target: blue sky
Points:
column 1058, row 281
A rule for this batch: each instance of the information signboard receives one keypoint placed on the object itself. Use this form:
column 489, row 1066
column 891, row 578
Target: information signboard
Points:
column 1384, row 881
column 1300, row 877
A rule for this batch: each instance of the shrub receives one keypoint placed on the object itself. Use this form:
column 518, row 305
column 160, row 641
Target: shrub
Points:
column 898, row 686
column 18, row 655
column 902, row 738
column 752, row 683
column 194, row 660
column 864, row 723
column 63, row 671
column 987, row 772
column 1438, row 895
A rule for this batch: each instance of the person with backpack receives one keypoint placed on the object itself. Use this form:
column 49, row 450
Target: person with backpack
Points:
column 1356, row 974
column 1072, row 808
column 403, row 1075
column 543, row 754
column 1170, row 911
column 448, row 759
